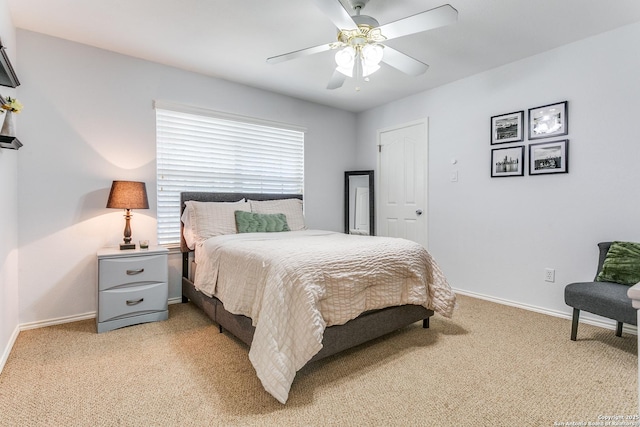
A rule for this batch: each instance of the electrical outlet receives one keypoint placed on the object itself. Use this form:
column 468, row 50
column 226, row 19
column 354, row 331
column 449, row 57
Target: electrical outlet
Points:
column 549, row 275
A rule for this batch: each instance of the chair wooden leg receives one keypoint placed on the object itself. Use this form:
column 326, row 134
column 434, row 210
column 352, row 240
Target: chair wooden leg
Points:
column 574, row 324
column 619, row 329
column 425, row 323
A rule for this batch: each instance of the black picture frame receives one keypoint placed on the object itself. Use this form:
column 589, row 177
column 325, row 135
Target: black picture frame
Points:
column 549, row 121
column 507, row 128
column 508, row 161
column 549, row 157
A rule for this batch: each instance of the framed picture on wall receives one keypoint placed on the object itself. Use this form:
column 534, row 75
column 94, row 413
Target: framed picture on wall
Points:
column 507, row 128
column 548, row 120
column 549, row 157
column 507, row 161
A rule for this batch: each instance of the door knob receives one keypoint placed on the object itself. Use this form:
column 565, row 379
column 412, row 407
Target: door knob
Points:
column 419, row 212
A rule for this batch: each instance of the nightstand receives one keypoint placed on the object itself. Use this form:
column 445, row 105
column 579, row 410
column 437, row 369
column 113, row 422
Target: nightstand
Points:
column 132, row 287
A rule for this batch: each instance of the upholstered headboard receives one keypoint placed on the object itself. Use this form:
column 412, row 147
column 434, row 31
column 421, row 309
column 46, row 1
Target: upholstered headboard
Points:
column 200, row 196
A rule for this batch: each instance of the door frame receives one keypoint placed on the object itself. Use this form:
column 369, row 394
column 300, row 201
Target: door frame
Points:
column 424, row 121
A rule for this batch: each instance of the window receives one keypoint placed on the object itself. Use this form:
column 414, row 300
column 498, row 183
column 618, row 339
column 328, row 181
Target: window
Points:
column 201, row 150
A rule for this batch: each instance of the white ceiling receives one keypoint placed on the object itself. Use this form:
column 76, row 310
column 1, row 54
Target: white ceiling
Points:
column 231, row 39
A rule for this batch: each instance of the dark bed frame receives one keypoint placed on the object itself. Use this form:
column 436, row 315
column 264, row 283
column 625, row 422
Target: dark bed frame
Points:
column 366, row 327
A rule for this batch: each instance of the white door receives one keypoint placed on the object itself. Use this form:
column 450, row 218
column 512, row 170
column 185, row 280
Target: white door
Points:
column 402, row 182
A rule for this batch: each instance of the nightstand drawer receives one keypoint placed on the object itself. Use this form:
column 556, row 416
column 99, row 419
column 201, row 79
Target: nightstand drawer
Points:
column 123, row 271
column 132, row 301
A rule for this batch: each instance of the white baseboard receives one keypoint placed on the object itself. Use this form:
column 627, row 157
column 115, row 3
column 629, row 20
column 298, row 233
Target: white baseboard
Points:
column 57, row 321
column 52, row 322
column 74, row 318
column 601, row 322
column 7, row 350
column 177, row 300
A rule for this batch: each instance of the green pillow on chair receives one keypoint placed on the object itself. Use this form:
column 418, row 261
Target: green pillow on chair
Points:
column 250, row 222
column 622, row 264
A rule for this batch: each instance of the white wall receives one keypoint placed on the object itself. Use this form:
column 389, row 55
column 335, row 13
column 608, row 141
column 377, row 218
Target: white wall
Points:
column 495, row 237
column 9, row 209
column 88, row 119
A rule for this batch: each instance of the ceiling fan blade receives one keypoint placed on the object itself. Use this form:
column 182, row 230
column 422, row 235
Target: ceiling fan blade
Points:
column 428, row 20
column 336, row 14
column 298, row 53
column 337, row 80
column 403, row 62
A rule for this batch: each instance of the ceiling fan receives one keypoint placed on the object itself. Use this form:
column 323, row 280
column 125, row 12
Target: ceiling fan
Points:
column 361, row 37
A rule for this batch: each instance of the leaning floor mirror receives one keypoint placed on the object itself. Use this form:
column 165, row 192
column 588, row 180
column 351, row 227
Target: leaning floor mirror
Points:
column 359, row 204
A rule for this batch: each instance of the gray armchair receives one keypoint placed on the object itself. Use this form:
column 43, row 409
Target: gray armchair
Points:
column 605, row 299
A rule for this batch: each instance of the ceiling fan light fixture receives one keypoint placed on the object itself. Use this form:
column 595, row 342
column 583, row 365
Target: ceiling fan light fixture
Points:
column 361, row 49
column 347, row 71
column 345, row 58
column 372, row 54
column 367, row 70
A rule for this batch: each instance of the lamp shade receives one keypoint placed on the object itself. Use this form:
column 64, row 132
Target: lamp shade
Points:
column 345, row 60
column 128, row 195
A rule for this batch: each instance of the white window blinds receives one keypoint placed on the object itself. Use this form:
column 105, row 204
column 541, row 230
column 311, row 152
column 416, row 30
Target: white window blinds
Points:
column 200, row 150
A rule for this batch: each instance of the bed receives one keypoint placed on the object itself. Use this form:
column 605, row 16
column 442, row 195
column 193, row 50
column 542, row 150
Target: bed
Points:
column 318, row 332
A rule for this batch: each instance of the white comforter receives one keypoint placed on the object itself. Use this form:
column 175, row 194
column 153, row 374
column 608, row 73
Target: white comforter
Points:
column 294, row 284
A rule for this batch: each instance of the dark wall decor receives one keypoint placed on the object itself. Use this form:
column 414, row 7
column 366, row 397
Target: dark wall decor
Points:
column 7, row 141
column 507, row 161
column 548, row 120
column 10, row 142
column 507, row 128
column 549, row 157
column 545, row 158
column 7, row 74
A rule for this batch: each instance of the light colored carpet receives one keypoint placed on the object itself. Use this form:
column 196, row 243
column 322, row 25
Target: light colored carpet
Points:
column 491, row 365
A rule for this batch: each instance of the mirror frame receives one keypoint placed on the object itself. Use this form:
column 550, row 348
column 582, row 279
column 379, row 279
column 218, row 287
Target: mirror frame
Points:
column 372, row 201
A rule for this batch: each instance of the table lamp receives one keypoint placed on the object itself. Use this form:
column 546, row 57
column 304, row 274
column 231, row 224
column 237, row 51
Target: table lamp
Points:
column 128, row 195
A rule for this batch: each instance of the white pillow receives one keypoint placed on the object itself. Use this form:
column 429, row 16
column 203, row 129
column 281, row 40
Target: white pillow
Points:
column 203, row 220
column 291, row 208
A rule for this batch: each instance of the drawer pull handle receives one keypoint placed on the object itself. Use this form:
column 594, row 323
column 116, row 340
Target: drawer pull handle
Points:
column 131, row 302
column 134, row 272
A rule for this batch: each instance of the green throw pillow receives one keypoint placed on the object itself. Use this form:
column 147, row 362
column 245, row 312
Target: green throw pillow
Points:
column 622, row 264
column 250, row 222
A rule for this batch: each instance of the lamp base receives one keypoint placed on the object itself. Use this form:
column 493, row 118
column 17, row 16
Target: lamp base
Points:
column 124, row 246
